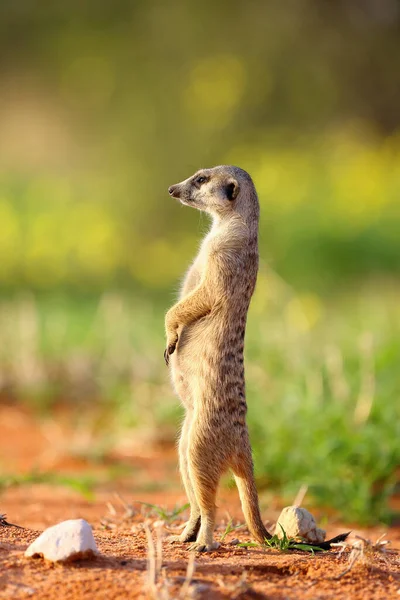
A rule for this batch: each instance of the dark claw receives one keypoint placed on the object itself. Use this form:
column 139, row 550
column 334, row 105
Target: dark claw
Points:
column 166, row 356
column 168, row 351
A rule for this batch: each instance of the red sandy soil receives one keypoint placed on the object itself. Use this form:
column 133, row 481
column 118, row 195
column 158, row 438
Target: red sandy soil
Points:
column 122, row 570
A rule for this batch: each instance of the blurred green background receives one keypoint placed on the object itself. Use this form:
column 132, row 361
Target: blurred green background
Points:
column 103, row 105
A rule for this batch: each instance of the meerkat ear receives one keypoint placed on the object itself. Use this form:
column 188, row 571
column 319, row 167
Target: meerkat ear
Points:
column 231, row 189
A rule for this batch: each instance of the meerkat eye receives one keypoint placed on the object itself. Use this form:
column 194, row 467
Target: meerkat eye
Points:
column 201, row 179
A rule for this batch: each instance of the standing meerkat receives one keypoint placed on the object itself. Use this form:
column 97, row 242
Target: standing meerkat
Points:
column 205, row 337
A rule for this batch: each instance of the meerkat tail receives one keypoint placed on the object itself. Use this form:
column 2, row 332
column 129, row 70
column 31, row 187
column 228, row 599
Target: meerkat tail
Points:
column 251, row 510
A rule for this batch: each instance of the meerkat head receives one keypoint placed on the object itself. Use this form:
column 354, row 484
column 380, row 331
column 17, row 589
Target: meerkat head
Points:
column 220, row 191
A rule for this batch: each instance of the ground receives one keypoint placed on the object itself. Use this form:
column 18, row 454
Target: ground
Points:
column 128, row 564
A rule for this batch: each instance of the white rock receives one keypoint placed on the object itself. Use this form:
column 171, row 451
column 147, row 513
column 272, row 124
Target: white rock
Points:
column 299, row 523
column 69, row 540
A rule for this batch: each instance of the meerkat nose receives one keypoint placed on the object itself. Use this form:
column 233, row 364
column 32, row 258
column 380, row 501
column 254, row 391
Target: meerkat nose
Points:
column 174, row 191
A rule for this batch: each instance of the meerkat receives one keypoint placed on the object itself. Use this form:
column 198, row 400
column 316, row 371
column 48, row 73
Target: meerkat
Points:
column 205, row 339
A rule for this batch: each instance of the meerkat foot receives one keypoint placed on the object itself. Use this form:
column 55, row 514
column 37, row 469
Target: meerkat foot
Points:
column 173, row 539
column 183, row 538
column 189, row 534
column 200, row 547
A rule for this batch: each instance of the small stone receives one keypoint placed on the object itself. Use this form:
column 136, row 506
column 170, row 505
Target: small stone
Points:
column 66, row 541
column 299, row 523
column 234, row 542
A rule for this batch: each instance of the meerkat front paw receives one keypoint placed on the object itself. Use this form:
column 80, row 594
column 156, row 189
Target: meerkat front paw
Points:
column 200, row 547
column 170, row 349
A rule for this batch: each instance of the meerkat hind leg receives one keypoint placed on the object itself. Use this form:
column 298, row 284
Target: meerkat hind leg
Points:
column 205, row 537
column 205, row 485
column 189, row 534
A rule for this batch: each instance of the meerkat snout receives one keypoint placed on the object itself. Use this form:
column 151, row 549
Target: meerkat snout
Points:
column 221, row 191
column 173, row 191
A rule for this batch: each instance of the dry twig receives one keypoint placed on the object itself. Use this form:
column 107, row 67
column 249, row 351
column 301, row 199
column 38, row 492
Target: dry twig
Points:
column 362, row 551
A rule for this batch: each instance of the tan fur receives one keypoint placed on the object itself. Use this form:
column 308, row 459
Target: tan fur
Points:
column 205, row 337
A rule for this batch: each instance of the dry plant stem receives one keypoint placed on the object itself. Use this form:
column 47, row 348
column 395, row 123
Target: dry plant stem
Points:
column 159, row 538
column 112, row 519
column 111, row 509
column 334, row 367
column 367, row 391
column 237, row 589
column 298, row 501
column 151, row 561
column 184, row 592
column 129, row 510
column 157, row 584
column 362, row 551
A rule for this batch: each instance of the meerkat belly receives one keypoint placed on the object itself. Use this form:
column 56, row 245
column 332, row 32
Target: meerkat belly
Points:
column 199, row 338
column 211, row 350
column 211, row 366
